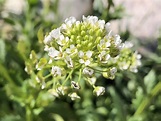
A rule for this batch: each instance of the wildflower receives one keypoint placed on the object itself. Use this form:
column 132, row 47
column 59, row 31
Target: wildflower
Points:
column 70, row 21
column 88, row 71
column 69, row 62
column 74, row 96
column 75, row 85
column 104, row 57
column 72, row 50
column 135, row 62
column 48, row 39
column 62, row 40
column 86, row 48
column 92, row 80
column 55, row 33
column 99, row 91
column 103, row 45
column 55, row 53
column 117, row 40
column 56, row 71
column 85, row 58
column 61, row 90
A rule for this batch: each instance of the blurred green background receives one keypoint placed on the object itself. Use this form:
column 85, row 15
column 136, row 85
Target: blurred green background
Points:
column 129, row 97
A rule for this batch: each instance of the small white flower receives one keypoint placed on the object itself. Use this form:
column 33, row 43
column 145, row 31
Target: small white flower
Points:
column 90, row 19
column 61, row 90
column 107, row 25
column 55, row 53
column 62, row 40
column 88, row 71
column 70, row 21
column 46, row 48
column 69, row 62
column 85, row 58
column 72, row 50
column 117, row 40
column 113, row 71
column 63, row 27
column 77, row 23
column 92, row 80
column 53, row 92
column 103, row 45
column 48, row 39
column 135, row 62
column 101, row 24
column 99, row 90
column 104, row 57
column 56, row 71
column 126, row 45
column 55, row 33
column 124, row 65
column 75, row 85
column 74, row 96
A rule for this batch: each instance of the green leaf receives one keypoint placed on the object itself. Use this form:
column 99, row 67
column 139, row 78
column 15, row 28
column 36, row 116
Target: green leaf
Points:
column 40, row 35
column 4, row 73
column 33, row 57
column 139, row 95
column 118, row 104
column 57, row 117
column 23, row 48
column 11, row 118
column 2, row 50
column 41, row 63
column 150, row 80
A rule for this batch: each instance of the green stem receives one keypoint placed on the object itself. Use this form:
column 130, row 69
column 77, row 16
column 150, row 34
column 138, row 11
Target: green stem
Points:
column 47, row 76
column 28, row 114
column 144, row 104
column 80, row 74
column 4, row 73
column 69, row 75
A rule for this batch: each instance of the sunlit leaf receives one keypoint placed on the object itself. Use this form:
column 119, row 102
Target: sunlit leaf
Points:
column 2, row 51
column 150, row 80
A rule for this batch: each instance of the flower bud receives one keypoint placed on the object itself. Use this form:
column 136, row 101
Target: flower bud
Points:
column 99, row 91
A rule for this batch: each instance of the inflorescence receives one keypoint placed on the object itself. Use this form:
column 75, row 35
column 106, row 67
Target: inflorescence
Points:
column 80, row 50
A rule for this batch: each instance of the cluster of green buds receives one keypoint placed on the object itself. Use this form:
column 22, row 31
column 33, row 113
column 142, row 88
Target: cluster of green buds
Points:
column 79, row 51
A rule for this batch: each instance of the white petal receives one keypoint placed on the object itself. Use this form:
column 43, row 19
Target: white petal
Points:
column 46, row 48
column 48, row 39
column 81, row 54
column 89, row 54
column 101, row 24
column 117, row 40
column 87, row 62
column 88, row 71
column 53, row 53
column 107, row 57
column 81, row 61
column 55, row 33
column 56, row 71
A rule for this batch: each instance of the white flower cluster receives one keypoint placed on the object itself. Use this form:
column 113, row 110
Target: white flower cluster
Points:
column 87, row 47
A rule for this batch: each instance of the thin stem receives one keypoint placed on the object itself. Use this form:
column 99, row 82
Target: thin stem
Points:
column 47, row 76
column 69, row 75
column 28, row 114
column 144, row 104
column 4, row 73
column 98, row 69
column 80, row 74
